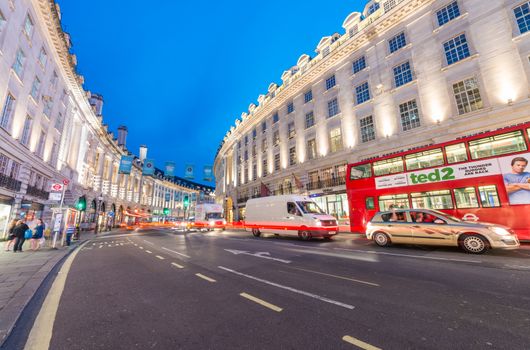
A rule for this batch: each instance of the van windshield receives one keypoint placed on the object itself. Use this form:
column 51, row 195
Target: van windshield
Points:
column 214, row 216
column 309, row 208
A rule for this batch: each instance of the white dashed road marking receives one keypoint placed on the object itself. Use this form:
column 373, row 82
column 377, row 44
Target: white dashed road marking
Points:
column 205, row 277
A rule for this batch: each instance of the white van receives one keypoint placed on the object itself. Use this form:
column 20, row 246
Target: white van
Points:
column 292, row 215
column 209, row 216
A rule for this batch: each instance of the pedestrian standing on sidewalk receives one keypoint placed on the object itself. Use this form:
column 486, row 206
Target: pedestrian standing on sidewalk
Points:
column 38, row 232
column 11, row 236
column 69, row 232
column 20, row 231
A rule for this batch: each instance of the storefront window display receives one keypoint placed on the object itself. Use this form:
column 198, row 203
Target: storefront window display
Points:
column 5, row 211
column 335, row 205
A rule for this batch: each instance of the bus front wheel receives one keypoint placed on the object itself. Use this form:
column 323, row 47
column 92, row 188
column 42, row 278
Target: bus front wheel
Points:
column 304, row 235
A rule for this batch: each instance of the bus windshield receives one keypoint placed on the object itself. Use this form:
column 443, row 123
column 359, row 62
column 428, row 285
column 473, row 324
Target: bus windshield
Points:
column 310, row 208
column 214, row 216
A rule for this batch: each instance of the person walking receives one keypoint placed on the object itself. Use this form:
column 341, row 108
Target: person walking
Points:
column 69, row 232
column 19, row 231
column 11, row 236
column 38, row 233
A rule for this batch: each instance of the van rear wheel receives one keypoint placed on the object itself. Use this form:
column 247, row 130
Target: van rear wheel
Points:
column 304, row 235
column 256, row 232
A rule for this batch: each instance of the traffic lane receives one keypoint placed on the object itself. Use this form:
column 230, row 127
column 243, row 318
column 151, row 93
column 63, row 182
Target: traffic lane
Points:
column 433, row 288
column 121, row 296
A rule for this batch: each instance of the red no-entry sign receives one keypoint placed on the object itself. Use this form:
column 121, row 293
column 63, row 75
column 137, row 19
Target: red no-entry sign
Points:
column 57, row 187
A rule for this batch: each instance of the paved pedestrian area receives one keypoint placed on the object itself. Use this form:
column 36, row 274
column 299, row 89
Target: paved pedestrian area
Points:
column 21, row 274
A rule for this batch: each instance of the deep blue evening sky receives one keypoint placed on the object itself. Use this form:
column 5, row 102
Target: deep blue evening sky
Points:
column 178, row 73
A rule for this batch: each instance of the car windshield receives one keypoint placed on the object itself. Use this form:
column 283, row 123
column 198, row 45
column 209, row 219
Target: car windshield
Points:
column 309, row 207
column 214, row 216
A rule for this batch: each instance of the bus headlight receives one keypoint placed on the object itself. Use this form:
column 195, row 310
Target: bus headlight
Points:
column 500, row 231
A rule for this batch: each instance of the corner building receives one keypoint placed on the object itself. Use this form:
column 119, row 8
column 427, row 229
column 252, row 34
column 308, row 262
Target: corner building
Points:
column 402, row 74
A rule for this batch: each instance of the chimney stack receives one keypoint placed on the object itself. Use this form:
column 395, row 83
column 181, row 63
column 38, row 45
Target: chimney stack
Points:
column 122, row 135
column 143, row 152
column 96, row 101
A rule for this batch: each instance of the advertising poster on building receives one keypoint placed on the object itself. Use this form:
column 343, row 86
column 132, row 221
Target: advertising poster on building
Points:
column 125, row 165
column 188, row 174
column 208, row 173
column 516, row 176
column 170, row 169
column 149, row 167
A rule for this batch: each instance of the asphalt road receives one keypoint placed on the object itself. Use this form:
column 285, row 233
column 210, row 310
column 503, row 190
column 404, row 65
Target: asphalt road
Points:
column 161, row 289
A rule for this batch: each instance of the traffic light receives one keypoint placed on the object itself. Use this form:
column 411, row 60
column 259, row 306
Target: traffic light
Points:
column 186, row 201
column 166, row 211
column 81, row 204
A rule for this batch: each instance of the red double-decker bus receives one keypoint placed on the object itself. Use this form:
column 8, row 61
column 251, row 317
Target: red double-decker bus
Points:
column 482, row 177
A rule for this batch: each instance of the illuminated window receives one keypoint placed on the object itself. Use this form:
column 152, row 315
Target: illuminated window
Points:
column 311, row 149
column 362, row 93
column 388, row 166
column 522, row 15
column 335, row 140
column 456, row 153
column 432, row 200
column 447, row 13
column 424, row 159
column 292, row 156
column 467, row 96
column 367, row 129
column 456, row 49
column 497, row 145
column 489, row 197
column 396, row 200
column 466, row 198
column 410, row 116
column 276, row 138
column 397, row 42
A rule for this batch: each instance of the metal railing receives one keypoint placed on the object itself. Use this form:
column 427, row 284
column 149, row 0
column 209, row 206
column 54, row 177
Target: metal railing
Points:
column 332, row 182
column 9, row 183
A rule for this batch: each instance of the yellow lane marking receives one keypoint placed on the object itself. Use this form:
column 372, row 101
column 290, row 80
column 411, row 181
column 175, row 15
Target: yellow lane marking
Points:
column 359, row 343
column 160, row 257
column 177, row 265
column 148, row 251
column 261, row 302
column 41, row 333
column 340, row 277
column 205, row 277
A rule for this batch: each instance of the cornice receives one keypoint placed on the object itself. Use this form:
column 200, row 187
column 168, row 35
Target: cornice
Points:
column 344, row 49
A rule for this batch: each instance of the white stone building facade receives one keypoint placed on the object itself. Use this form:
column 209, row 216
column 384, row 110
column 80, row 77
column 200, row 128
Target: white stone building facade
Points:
column 52, row 130
column 402, row 74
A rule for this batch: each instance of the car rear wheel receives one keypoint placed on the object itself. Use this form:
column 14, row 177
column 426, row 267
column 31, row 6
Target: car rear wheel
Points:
column 474, row 244
column 381, row 239
column 256, row 232
column 304, row 235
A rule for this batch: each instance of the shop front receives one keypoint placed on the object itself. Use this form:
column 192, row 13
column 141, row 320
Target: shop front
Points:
column 31, row 211
column 335, row 204
column 6, row 204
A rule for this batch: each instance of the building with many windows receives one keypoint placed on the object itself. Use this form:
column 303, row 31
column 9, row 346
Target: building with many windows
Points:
column 52, row 131
column 402, row 74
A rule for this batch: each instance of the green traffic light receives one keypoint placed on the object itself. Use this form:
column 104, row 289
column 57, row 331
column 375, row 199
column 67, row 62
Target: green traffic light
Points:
column 186, row 201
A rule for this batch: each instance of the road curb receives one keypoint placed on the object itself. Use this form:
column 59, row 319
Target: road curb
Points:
column 13, row 310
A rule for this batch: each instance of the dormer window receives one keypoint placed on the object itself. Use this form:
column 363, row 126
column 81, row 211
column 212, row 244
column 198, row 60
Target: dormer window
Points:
column 372, row 8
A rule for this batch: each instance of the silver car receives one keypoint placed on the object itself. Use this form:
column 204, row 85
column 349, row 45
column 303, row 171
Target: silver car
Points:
column 431, row 227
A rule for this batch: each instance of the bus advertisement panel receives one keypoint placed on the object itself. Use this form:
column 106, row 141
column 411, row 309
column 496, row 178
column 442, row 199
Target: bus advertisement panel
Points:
column 483, row 177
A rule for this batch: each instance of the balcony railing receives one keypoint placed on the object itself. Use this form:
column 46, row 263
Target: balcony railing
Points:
column 35, row 192
column 332, row 182
column 9, row 183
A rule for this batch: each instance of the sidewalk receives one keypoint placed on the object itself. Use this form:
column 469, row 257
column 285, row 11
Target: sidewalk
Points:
column 21, row 274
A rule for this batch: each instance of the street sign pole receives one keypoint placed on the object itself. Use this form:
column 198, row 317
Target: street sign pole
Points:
column 55, row 229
